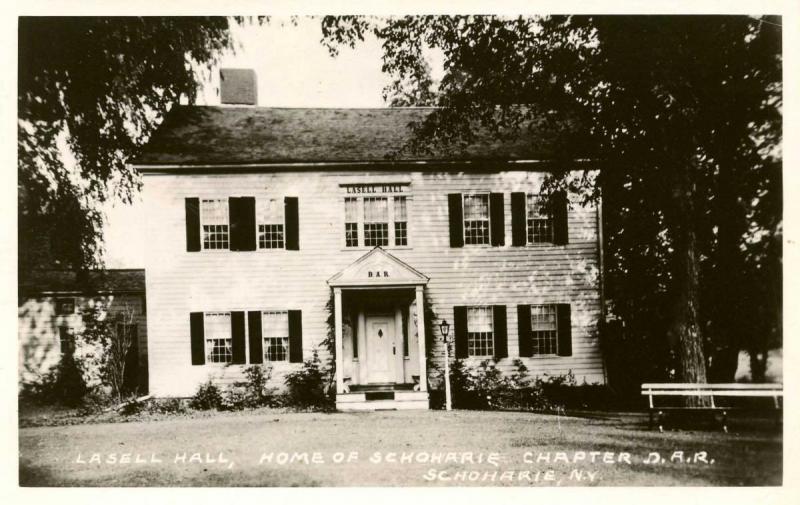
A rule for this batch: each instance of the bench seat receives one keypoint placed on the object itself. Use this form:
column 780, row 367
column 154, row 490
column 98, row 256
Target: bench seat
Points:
column 710, row 391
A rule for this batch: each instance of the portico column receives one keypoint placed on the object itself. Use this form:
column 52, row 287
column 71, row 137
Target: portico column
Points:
column 423, row 372
column 337, row 312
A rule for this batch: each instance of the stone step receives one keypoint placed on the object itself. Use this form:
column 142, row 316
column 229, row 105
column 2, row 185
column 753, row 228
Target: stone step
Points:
column 402, row 400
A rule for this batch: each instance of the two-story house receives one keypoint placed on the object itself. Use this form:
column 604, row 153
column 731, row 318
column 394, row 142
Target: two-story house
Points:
column 270, row 227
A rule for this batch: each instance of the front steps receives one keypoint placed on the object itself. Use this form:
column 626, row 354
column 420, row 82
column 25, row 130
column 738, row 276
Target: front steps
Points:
column 374, row 397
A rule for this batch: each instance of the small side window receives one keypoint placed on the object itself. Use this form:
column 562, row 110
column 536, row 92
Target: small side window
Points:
column 65, row 306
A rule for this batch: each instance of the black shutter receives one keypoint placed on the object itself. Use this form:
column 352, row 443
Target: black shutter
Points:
column 524, row 331
column 295, row 336
column 519, row 220
column 500, row 331
column 192, row 224
column 497, row 216
column 456, row 212
column 243, row 223
column 460, row 331
column 197, row 338
column 292, row 227
column 564, row 329
column 237, row 334
column 254, row 334
column 559, row 212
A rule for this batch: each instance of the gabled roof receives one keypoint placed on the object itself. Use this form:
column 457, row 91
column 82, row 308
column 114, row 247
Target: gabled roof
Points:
column 43, row 281
column 218, row 135
column 378, row 268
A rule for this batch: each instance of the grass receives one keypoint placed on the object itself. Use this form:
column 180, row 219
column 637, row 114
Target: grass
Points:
column 49, row 455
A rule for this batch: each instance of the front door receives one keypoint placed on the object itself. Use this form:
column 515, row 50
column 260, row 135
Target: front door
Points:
column 380, row 349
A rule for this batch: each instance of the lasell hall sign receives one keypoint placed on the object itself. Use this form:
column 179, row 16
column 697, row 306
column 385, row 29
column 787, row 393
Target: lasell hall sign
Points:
column 359, row 189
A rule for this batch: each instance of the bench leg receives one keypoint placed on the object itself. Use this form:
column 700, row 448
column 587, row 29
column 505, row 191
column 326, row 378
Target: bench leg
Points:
column 650, row 420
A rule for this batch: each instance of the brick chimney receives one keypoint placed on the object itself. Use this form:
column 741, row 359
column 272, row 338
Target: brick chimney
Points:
column 238, row 86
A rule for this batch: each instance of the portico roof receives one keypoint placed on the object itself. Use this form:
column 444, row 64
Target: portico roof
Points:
column 378, row 268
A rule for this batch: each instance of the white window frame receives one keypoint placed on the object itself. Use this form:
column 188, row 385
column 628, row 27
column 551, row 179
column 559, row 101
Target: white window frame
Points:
column 265, row 337
column 282, row 223
column 390, row 197
column 202, row 224
column 554, row 308
column 464, row 196
column 207, row 339
column 490, row 310
column 528, row 232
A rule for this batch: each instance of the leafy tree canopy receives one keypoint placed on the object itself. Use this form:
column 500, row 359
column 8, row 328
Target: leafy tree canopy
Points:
column 90, row 92
column 683, row 115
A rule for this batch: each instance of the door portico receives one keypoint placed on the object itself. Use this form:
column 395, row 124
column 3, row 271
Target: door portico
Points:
column 379, row 328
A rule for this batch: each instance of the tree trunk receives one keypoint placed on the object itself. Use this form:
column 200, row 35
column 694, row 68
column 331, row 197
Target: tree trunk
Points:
column 686, row 324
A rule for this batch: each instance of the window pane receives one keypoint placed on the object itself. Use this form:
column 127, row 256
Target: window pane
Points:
column 376, row 210
column 217, row 327
column 540, row 226
column 214, row 216
column 275, row 331
column 544, row 330
column 400, row 208
column 476, row 207
column 476, row 219
column 351, row 210
column 376, row 234
column 351, row 222
column 214, row 212
column 270, row 236
column 479, row 331
column 400, row 233
column 269, row 211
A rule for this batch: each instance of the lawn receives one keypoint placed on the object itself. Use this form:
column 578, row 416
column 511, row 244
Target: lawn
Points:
column 422, row 448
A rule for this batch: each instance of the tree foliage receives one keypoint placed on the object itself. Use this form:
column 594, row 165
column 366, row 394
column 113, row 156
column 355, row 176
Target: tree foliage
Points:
column 90, row 92
column 683, row 116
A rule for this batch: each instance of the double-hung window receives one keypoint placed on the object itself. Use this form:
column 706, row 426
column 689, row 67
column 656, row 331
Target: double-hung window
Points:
column 376, row 221
column 540, row 223
column 351, row 222
column 275, row 332
column 544, row 329
column 400, row 221
column 215, row 224
column 480, row 331
column 476, row 219
column 219, row 341
column 269, row 216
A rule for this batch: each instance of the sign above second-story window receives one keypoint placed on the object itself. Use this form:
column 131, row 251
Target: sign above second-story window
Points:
column 375, row 188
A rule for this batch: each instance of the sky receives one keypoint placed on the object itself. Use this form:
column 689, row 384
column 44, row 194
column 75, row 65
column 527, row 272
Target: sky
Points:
column 293, row 69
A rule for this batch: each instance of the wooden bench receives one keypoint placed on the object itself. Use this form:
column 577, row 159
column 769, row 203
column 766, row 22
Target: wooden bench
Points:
column 710, row 391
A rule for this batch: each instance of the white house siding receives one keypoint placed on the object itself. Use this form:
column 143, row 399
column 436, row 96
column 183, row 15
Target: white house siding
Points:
column 180, row 282
column 38, row 329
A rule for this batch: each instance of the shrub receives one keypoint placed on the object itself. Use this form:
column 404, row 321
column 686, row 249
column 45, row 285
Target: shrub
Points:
column 306, row 387
column 487, row 388
column 167, row 406
column 207, row 397
column 64, row 384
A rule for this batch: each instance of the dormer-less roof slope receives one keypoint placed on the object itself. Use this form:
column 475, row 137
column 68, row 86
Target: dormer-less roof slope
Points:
column 211, row 135
column 39, row 282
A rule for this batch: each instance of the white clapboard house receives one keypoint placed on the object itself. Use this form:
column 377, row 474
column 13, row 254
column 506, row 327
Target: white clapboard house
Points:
column 269, row 228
